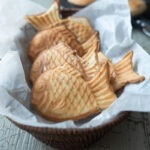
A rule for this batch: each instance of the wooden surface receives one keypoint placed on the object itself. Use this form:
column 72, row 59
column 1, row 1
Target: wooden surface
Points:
column 132, row 134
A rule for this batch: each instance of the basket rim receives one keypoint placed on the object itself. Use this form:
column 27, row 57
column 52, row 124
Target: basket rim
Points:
column 117, row 119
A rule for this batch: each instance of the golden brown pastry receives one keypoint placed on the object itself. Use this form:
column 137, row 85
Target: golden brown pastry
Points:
column 56, row 56
column 102, row 59
column 80, row 27
column 47, row 38
column 43, row 20
column 125, row 73
column 96, row 59
column 137, row 7
column 72, row 79
column 81, row 2
column 61, row 94
column 93, row 41
column 120, row 73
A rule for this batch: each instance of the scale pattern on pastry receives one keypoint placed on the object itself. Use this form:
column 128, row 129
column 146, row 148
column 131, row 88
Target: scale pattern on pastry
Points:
column 47, row 38
column 93, row 41
column 81, row 3
column 71, row 78
column 79, row 26
column 97, row 59
column 56, row 56
column 62, row 94
column 43, row 20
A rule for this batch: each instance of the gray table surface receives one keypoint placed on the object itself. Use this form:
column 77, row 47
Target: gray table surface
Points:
column 132, row 134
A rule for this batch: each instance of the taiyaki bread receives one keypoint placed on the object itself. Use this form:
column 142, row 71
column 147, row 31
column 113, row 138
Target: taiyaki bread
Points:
column 102, row 59
column 72, row 79
column 120, row 73
column 90, row 62
column 93, row 41
column 54, row 57
column 137, row 7
column 81, row 3
column 62, row 94
column 47, row 38
column 80, row 27
column 43, row 20
column 96, row 58
column 125, row 73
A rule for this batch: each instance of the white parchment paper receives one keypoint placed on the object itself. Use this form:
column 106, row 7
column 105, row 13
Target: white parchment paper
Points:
column 111, row 18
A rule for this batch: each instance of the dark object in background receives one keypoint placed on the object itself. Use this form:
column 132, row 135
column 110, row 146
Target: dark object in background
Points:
column 142, row 21
column 68, row 9
column 65, row 4
column 147, row 12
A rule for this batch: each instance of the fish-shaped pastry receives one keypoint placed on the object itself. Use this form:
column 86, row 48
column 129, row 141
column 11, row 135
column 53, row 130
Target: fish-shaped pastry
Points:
column 79, row 26
column 47, row 38
column 103, row 59
column 95, row 57
column 62, row 94
column 54, row 57
column 93, row 41
column 125, row 73
column 43, row 20
column 81, row 3
column 120, row 73
column 62, row 53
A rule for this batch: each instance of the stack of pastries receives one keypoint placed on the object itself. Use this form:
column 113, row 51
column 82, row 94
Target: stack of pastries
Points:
column 71, row 77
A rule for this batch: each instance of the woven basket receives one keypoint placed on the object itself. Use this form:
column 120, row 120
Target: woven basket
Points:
column 74, row 139
column 71, row 138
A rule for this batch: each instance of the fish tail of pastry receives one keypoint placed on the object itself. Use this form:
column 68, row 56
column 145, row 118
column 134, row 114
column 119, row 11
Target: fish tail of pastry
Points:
column 67, row 37
column 90, row 71
column 90, row 63
column 44, row 20
column 91, row 66
column 91, row 43
column 100, row 86
column 91, row 54
column 125, row 73
column 88, row 56
column 102, row 60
